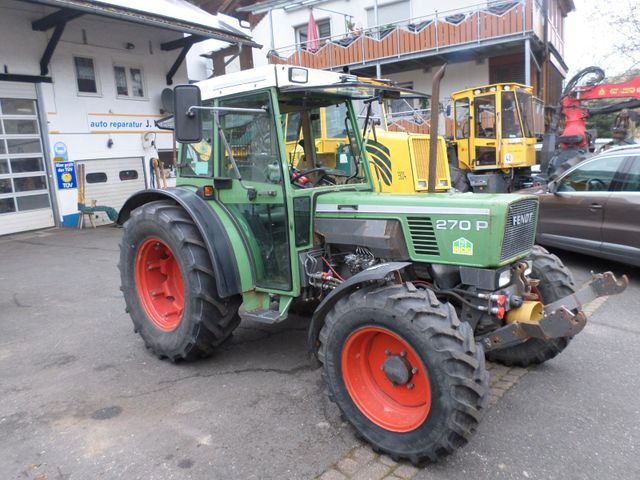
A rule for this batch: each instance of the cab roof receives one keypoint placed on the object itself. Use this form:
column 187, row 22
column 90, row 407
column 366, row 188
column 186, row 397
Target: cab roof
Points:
column 497, row 87
column 295, row 80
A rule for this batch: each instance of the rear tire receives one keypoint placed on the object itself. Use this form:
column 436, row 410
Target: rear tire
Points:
column 556, row 282
column 169, row 286
column 434, row 412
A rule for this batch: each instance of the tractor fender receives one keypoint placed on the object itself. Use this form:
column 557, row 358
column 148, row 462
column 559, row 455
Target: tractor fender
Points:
column 209, row 225
column 375, row 273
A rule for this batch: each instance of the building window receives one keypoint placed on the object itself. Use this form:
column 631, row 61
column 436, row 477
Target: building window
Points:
column 85, row 75
column 96, row 177
column 324, row 31
column 128, row 175
column 392, row 12
column 129, row 81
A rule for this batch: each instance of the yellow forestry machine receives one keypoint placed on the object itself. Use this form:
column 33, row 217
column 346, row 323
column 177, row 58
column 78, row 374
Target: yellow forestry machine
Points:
column 495, row 131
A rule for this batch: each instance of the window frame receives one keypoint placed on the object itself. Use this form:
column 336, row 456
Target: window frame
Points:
column 625, row 174
column 616, row 179
column 468, row 118
column 127, row 70
column 96, row 74
column 297, row 31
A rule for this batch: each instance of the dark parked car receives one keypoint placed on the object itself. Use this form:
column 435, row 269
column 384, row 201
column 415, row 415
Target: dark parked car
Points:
column 594, row 208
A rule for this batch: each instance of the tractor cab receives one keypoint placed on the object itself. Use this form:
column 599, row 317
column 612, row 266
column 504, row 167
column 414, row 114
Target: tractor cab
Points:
column 495, row 129
column 267, row 159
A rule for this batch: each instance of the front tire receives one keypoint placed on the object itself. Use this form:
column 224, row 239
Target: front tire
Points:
column 169, row 287
column 404, row 371
column 556, row 282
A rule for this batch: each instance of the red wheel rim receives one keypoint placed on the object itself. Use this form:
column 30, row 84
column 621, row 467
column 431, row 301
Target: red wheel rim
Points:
column 395, row 407
column 159, row 284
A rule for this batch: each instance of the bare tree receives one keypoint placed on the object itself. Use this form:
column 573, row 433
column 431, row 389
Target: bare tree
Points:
column 626, row 19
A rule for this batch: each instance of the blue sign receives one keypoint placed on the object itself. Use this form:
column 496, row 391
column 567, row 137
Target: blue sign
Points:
column 66, row 175
column 60, row 153
column 59, row 148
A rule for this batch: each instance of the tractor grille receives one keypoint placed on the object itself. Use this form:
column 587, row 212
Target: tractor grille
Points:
column 422, row 236
column 520, row 231
column 421, row 150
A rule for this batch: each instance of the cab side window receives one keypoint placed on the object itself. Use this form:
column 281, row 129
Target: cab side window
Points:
column 462, row 115
column 593, row 176
column 251, row 137
column 485, row 116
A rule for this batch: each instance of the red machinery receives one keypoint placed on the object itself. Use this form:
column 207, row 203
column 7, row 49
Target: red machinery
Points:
column 575, row 114
column 572, row 146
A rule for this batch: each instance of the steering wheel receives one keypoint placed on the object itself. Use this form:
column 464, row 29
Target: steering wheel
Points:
column 297, row 175
column 597, row 185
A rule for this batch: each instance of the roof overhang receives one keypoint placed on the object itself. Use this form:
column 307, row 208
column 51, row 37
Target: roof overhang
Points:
column 289, row 5
column 194, row 22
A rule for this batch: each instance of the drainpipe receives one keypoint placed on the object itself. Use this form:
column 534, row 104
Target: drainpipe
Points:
column 545, row 41
column 527, row 62
column 377, row 20
column 271, row 29
column 433, row 129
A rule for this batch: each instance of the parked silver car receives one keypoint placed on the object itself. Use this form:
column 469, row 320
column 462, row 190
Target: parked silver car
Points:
column 594, row 207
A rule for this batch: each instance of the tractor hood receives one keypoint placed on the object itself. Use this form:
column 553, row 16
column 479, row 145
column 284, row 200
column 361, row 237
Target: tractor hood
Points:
column 487, row 230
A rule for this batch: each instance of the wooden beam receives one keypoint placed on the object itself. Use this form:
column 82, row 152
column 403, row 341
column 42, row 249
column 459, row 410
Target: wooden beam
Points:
column 246, row 57
column 54, row 19
column 181, row 42
column 223, row 52
column 51, row 47
column 176, row 65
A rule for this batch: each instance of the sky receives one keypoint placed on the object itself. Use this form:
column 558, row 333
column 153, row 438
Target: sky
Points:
column 590, row 39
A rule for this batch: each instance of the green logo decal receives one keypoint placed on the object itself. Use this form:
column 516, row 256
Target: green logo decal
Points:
column 381, row 159
column 462, row 246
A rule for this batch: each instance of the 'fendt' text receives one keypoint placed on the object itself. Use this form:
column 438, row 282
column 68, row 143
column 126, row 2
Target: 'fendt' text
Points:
column 522, row 219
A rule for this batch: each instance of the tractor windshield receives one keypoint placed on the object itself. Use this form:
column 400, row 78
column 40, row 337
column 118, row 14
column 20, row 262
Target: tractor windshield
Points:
column 532, row 111
column 511, row 125
column 321, row 144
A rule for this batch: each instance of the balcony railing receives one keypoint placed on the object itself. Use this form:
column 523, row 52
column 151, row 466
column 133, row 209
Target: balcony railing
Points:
column 441, row 30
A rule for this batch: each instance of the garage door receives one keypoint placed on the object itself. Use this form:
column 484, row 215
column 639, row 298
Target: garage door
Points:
column 110, row 182
column 25, row 203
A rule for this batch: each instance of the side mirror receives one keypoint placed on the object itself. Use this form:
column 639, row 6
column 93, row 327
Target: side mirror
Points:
column 448, row 110
column 552, row 187
column 188, row 122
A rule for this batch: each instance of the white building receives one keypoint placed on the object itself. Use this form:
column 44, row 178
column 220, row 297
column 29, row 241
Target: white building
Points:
column 482, row 42
column 81, row 83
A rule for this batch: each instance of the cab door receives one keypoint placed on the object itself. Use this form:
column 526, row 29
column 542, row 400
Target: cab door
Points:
column 254, row 194
column 462, row 119
column 573, row 216
column 484, row 132
column 621, row 224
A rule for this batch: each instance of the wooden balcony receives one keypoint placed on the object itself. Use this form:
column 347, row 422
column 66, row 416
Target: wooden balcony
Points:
column 436, row 34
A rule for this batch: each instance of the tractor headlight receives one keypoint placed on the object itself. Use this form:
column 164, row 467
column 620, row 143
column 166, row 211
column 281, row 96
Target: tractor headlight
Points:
column 298, row 75
column 504, row 278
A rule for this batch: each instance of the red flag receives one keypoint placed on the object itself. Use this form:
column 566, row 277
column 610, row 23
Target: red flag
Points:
column 312, row 34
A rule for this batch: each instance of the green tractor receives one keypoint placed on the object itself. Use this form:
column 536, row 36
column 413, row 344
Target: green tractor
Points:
column 408, row 292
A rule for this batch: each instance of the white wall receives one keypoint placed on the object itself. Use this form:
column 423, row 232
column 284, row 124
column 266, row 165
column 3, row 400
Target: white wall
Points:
column 458, row 76
column 68, row 113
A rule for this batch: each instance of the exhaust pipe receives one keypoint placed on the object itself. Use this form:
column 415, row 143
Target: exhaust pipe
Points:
column 433, row 129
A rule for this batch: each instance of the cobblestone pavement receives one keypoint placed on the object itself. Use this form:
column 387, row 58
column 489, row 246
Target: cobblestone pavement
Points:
column 362, row 463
